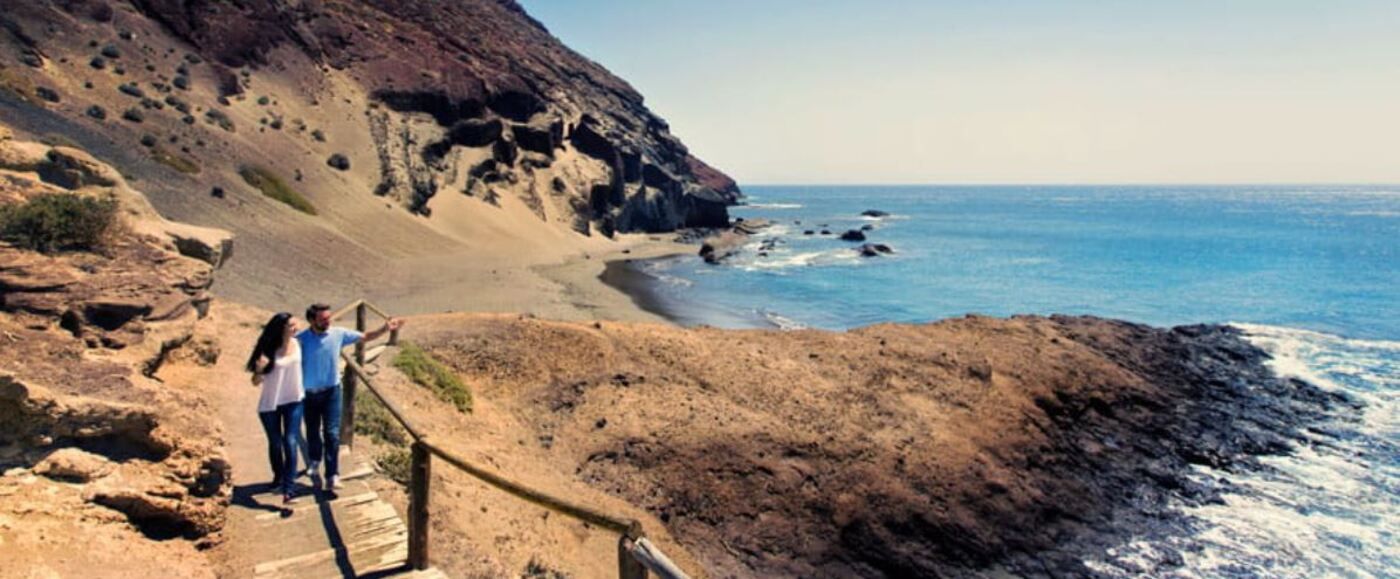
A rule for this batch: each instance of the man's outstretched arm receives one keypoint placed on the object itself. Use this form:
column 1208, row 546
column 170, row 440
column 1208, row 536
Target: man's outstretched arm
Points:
column 389, row 326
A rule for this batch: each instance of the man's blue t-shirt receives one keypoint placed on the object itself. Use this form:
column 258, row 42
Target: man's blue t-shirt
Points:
column 320, row 354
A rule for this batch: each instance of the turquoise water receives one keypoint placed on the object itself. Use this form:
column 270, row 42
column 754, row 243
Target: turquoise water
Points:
column 1319, row 258
column 1312, row 274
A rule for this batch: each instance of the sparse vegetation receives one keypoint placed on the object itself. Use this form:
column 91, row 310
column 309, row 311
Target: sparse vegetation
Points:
column 372, row 419
column 59, row 222
column 182, row 164
column 536, row 569
column 429, row 373
column 272, row 186
column 58, row 140
column 17, row 84
column 218, row 117
column 395, row 463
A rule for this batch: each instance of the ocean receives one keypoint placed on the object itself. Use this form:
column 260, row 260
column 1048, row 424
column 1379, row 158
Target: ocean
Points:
column 1310, row 273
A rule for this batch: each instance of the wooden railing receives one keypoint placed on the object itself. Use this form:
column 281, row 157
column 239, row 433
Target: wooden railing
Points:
column 635, row 554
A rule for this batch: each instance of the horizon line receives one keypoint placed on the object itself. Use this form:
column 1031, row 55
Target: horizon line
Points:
column 1104, row 184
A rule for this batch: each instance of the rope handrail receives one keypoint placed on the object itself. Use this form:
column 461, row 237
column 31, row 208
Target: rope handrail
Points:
column 633, row 545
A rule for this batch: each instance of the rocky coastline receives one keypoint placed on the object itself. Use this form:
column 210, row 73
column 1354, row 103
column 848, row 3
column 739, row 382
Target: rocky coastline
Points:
column 1027, row 445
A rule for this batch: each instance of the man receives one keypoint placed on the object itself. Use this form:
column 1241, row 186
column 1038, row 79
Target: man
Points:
column 320, row 352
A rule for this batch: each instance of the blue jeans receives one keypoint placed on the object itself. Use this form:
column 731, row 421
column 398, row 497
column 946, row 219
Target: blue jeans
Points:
column 323, row 422
column 283, row 428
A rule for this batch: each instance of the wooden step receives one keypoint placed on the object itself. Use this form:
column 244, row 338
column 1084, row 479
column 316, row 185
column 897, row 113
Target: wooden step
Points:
column 378, row 552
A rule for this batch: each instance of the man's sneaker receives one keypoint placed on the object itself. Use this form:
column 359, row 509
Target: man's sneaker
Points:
column 313, row 468
column 334, row 483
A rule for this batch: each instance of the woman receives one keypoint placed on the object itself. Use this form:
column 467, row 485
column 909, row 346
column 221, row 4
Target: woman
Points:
column 276, row 366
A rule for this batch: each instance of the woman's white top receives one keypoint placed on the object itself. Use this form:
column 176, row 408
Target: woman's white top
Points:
column 283, row 384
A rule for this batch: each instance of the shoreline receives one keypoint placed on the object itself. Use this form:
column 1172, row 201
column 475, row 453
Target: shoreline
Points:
column 605, row 287
column 649, row 294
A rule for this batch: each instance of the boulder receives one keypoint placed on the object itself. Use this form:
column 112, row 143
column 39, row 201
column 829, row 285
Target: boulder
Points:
column 716, row 248
column 339, row 162
column 505, row 151
column 874, row 213
column 73, row 465
column 540, row 138
column 752, row 226
column 212, row 246
column 74, row 169
column 590, row 141
column 873, row 249
column 853, row 235
column 475, row 132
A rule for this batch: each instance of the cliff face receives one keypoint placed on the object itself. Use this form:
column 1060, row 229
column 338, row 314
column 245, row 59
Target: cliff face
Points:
column 295, row 124
column 95, row 449
column 492, row 79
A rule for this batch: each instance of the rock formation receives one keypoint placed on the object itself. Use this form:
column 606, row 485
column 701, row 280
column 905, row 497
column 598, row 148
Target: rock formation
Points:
column 472, row 96
column 85, row 427
column 968, row 447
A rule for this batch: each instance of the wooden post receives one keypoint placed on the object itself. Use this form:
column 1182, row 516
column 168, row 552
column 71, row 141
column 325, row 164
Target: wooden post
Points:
column 420, row 473
column 628, row 567
column 347, row 409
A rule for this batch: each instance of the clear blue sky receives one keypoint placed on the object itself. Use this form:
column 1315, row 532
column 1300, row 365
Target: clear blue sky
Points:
column 1005, row 91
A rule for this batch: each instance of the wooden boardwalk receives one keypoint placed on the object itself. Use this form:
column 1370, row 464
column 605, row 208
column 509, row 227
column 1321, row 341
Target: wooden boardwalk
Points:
column 353, row 533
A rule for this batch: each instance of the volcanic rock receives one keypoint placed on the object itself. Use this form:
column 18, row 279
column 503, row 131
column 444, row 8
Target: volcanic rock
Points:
column 339, row 161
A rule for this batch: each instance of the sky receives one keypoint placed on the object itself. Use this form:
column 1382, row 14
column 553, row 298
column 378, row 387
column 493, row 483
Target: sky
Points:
column 1008, row 91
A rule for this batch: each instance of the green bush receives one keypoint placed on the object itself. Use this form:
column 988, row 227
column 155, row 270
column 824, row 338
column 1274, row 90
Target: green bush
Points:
column 272, row 186
column 59, row 222
column 433, row 375
column 372, row 419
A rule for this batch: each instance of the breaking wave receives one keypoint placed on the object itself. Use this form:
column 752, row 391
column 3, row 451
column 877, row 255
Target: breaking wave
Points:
column 1331, row 508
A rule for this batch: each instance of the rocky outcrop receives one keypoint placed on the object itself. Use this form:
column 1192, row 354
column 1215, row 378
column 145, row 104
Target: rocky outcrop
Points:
column 722, row 245
column 873, row 249
column 969, row 447
column 509, row 85
column 82, row 417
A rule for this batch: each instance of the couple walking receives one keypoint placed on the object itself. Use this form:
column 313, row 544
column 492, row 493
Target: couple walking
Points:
column 298, row 372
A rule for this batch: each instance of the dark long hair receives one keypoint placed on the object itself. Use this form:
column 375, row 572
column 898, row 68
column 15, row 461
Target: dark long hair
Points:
column 269, row 342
